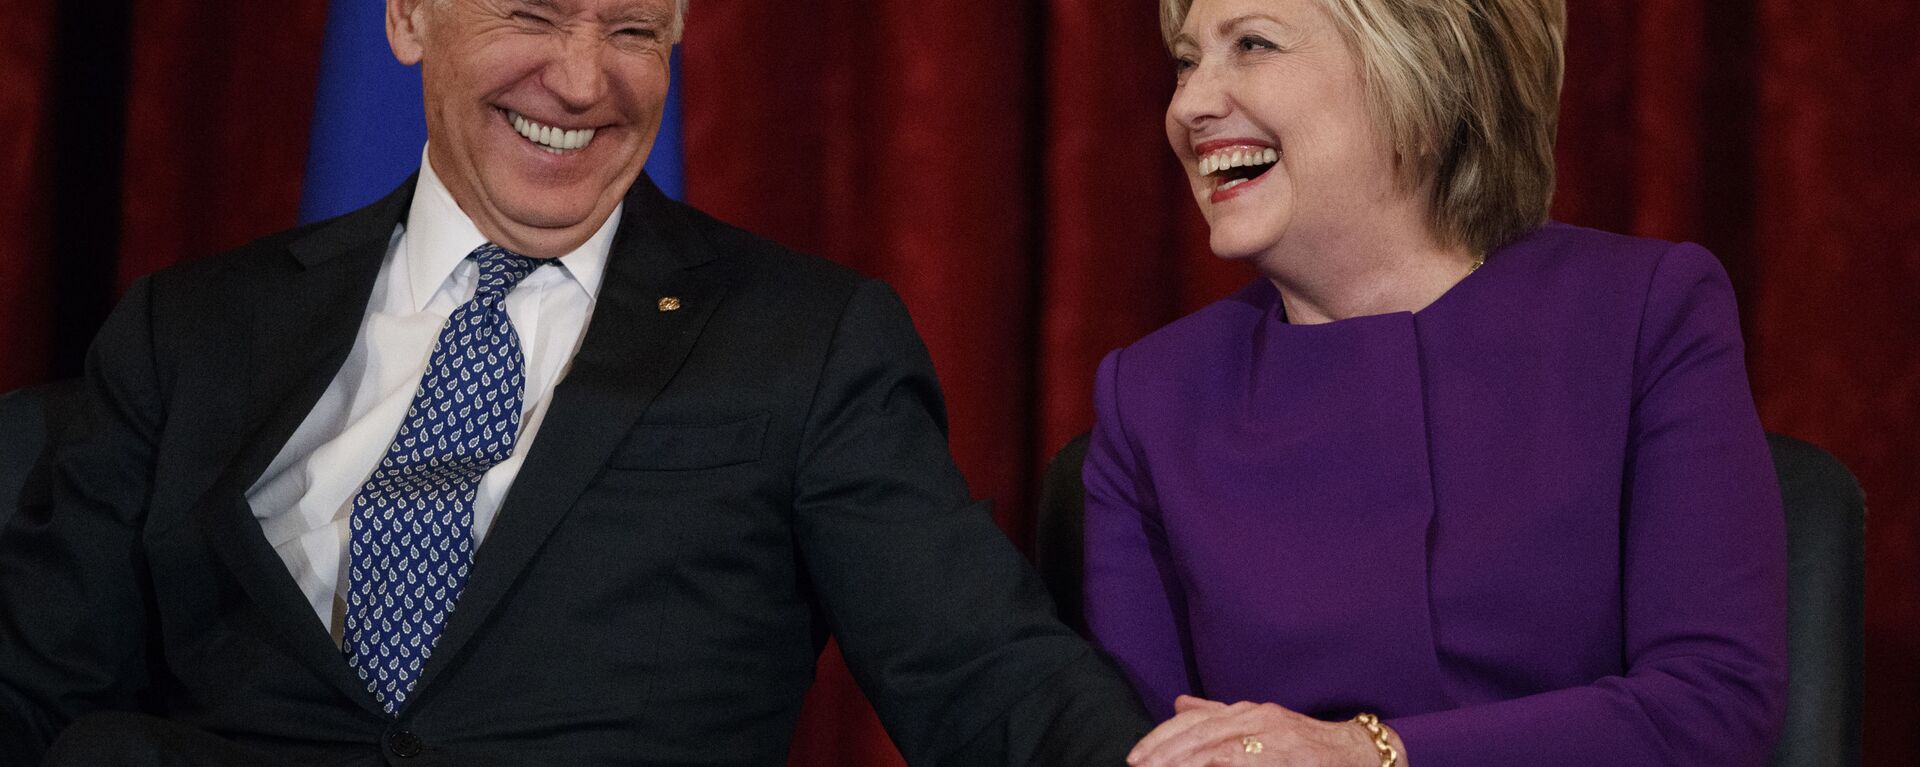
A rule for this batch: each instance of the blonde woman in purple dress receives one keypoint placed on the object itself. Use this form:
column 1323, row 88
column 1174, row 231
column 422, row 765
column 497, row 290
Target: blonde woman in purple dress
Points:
column 1448, row 484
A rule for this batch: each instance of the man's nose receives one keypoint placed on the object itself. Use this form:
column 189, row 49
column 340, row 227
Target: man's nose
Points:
column 577, row 74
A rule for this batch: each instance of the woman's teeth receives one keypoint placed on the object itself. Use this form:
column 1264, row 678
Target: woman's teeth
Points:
column 547, row 137
column 1238, row 157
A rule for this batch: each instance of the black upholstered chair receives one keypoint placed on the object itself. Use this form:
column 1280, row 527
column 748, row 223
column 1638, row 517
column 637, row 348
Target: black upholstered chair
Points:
column 1826, row 598
column 1826, row 584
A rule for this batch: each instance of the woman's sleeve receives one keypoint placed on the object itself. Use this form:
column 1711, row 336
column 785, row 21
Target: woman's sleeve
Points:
column 1703, row 569
column 1134, row 606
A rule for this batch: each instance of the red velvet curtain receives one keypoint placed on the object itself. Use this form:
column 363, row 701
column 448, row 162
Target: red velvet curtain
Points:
column 1002, row 163
column 26, row 287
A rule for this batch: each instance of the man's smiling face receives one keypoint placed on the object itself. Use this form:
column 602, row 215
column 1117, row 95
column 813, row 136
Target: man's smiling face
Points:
column 540, row 113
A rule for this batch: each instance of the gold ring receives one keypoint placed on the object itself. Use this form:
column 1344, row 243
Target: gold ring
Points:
column 1252, row 745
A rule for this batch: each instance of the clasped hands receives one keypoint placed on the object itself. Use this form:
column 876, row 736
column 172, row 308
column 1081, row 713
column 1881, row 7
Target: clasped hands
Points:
column 1205, row 732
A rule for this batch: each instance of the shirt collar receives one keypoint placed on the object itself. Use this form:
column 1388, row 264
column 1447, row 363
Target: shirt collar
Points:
column 439, row 235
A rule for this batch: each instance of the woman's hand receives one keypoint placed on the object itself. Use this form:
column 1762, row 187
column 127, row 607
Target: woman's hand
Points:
column 1205, row 732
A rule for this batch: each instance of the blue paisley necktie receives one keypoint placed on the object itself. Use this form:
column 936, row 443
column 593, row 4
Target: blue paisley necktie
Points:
column 411, row 544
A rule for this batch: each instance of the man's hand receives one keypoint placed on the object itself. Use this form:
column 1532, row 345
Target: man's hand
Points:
column 1205, row 732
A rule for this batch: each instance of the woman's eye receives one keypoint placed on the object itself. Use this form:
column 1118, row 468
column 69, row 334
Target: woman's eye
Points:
column 531, row 18
column 1253, row 43
column 637, row 33
column 1183, row 65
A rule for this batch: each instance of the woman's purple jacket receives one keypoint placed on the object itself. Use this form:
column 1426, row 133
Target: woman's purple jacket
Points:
column 1533, row 523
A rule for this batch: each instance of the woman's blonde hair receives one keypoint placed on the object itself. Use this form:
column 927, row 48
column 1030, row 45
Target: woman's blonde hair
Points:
column 1468, row 94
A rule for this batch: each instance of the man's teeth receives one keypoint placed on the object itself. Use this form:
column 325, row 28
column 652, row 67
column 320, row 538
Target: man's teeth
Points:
column 1236, row 158
column 552, row 139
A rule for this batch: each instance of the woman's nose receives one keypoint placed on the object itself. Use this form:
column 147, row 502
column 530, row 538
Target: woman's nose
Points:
column 1202, row 96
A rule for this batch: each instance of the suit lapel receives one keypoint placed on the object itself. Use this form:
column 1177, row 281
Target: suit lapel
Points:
column 632, row 348
column 303, row 321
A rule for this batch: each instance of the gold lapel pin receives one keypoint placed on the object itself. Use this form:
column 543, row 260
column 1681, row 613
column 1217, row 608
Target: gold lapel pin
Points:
column 669, row 303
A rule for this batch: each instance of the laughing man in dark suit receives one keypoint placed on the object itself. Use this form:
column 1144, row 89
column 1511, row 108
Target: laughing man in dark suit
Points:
column 523, row 463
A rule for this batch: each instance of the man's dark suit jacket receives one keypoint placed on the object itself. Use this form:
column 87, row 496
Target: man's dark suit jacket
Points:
column 714, row 490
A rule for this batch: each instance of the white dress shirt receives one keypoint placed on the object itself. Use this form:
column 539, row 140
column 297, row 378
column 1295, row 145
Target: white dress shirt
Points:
column 304, row 501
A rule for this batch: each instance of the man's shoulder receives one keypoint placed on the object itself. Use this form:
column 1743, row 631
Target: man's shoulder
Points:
column 743, row 259
column 242, row 258
column 285, row 250
column 748, row 256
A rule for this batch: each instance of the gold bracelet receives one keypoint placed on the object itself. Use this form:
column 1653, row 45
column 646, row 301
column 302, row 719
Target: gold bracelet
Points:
column 1378, row 732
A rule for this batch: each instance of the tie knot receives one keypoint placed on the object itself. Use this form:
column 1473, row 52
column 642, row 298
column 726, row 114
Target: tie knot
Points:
column 502, row 269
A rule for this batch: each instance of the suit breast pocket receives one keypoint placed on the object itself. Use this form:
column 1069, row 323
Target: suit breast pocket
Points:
column 690, row 446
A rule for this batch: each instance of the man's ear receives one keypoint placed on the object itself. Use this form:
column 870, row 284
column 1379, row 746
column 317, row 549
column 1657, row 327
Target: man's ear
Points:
column 407, row 29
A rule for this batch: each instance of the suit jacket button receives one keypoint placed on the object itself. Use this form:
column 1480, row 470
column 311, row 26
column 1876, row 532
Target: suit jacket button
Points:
column 404, row 743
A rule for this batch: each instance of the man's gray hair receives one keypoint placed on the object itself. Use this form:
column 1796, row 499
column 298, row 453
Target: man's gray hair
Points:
column 675, row 28
column 678, row 26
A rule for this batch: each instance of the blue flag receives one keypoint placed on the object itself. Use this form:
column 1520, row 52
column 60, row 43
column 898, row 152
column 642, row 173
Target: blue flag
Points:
column 369, row 125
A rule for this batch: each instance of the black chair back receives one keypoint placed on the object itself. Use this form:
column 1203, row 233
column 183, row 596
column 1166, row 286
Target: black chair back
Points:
column 1826, row 540
column 1058, row 535
column 1826, row 602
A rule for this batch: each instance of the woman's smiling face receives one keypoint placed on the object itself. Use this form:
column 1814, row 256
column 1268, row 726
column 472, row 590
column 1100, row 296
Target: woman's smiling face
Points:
column 1270, row 120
